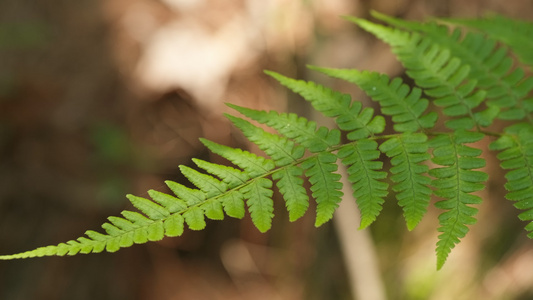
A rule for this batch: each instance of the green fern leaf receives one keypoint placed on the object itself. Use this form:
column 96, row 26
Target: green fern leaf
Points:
column 126, row 239
column 156, row 231
column 136, row 218
column 455, row 182
column 489, row 65
column 207, row 184
column 174, row 225
column 110, row 244
column 350, row 116
column 295, row 128
column 396, row 99
column 195, row 218
column 471, row 78
column 152, row 210
column 121, row 232
column 364, row 174
column 442, row 76
column 281, row 150
column 191, row 196
column 407, row 152
column 231, row 176
column 233, row 203
column 290, row 185
column 252, row 164
column 325, row 184
column 213, row 210
column 140, row 233
column 517, row 156
column 171, row 203
column 259, row 195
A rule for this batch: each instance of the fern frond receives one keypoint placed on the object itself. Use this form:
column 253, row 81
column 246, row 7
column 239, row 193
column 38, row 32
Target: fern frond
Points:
column 365, row 176
column 349, row 116
column 405, row 106
column 442, row 76
column 489, row 65
column 455, row 182
column 516, row 155
column 407, row 152
column 470, row 77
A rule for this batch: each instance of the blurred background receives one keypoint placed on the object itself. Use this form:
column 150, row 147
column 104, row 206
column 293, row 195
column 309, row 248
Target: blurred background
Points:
column 99, row 99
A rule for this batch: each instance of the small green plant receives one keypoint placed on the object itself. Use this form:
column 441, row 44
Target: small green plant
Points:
column 466, row 79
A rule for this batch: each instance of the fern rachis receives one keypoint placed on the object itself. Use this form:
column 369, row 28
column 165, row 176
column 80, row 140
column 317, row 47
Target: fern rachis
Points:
column 469, row 91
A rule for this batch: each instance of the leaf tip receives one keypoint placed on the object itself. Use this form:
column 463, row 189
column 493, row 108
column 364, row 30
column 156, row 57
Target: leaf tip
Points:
column 440, row 263
column 411, row 224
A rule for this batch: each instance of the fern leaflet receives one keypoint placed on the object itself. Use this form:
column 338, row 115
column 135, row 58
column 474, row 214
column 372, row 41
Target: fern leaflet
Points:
column 405, row 106
column 290, row 184
column 455, row 182
column 360, row 123
column 364, row 172
column 407, row 152
column 260, row 204
column 294, row 127
column 516, row 155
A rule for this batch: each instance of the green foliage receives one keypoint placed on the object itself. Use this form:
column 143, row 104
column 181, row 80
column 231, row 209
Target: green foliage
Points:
column 368, row 190
column 516, row 146
column 489, row 65
column 395, row 98
column 455, row 182
column 407, row 153
column 515, row 34
column 464, row 80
